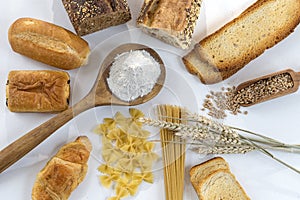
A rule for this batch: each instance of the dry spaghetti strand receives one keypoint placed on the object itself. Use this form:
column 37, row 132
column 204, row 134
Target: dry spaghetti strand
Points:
column 173, row 154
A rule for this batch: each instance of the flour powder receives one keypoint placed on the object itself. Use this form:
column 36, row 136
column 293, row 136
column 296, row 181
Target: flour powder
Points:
column 133, row 74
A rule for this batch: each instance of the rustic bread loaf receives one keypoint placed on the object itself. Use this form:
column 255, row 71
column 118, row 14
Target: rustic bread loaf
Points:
column 48, row 43
column 64, row 172
column 229, row 49
column 37, row 91
column 172, row 21
column 91, row 16
column 213, row 180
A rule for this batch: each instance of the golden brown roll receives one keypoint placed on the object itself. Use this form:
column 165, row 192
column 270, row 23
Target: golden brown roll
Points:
column 37, row 91
column 64, row 172
column 48, row 43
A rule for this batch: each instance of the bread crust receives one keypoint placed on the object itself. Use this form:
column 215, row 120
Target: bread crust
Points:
column 37, row 91
column 229, row 49
column 48, row 43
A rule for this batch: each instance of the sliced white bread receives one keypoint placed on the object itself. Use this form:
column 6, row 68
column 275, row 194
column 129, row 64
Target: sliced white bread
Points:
column 221, row 185
column 213, row 180
column 259, row 27
column 201, row 171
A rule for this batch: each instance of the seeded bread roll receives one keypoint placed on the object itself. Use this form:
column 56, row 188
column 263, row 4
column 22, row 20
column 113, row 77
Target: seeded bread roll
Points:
column 48, row 43
column 64, row 172
column 172, row 21
column 261, row 26
column 37, row 91
column 213, row 180
column 91, row 16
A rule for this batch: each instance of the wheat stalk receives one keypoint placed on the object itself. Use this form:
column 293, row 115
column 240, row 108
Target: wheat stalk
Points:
column 202, row 135
column 223, row 139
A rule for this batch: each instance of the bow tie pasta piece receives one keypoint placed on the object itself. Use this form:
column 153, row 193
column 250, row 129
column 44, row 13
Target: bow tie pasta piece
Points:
column 127, row 154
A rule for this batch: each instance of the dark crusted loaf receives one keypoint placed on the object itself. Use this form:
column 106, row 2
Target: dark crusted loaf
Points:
column 93, row 15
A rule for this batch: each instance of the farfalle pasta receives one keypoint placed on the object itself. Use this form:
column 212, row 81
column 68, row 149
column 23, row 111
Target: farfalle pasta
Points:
column 127, row 154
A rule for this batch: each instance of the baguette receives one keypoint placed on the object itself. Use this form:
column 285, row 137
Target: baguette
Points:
column 259, row 27
column 172, row 21
column 48, row 43
column 64, row 172
column 214, row 180
column 91, row 16
column 37, row 91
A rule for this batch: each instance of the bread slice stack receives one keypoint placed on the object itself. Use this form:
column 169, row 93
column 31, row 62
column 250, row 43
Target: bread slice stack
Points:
column 261, row 26
column 213, row 180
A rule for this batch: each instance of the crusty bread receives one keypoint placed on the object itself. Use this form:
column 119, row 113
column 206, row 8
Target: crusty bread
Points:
column 172, row 21
column 201, row 171
column 221, row 184
column 91, row 16
column 48, row 43
column 64, row 172
column 213, row 180
column 229, row 49
column 37, row 91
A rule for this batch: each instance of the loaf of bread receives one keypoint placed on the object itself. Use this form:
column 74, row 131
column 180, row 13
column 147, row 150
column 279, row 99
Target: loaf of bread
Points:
column 64, row 172
column 91, row 16
column 37, row 91
column 172, row 21
column 261, row 26
column 213, row 180
column 48, row 43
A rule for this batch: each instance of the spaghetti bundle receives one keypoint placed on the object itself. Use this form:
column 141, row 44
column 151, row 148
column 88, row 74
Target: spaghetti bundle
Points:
column 173, row 151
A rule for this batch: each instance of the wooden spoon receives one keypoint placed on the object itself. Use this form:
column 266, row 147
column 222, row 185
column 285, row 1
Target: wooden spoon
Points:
column 295, row 78
column 99, row 95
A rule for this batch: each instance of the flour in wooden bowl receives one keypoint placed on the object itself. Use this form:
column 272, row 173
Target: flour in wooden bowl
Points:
column 133, row 74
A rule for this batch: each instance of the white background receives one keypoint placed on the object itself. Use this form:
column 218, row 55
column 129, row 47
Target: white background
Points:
column 262, row 177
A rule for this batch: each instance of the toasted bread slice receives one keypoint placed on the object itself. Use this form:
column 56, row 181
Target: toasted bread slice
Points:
column 229, row 49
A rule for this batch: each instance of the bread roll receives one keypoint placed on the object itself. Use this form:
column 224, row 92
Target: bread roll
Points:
column 48, row 43
column 37, row 91
column 172, row 21
column 91, row 16
column 64, row 172
column 225, row 52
